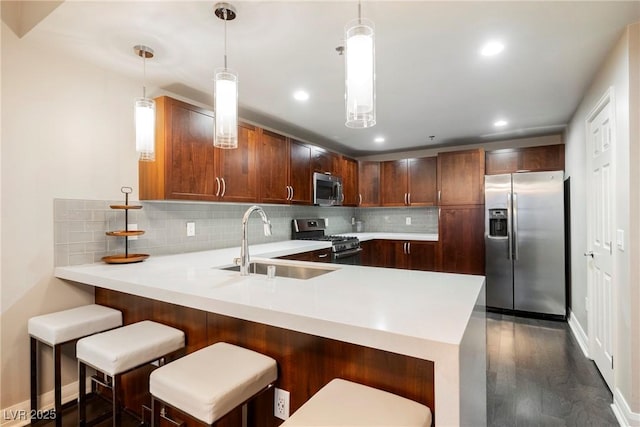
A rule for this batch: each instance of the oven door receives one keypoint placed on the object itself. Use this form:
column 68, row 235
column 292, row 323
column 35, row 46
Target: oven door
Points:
column 350, row 257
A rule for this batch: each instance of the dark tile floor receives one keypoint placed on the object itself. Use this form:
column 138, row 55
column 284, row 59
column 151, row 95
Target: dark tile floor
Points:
column 538, row 376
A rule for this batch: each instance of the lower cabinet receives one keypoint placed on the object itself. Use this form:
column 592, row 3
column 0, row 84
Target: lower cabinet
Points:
column 461, row 233
column 405, row 254
column 320, row 255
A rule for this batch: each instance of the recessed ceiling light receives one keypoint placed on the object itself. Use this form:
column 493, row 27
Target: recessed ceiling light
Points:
column 492, row 48
column 379, row 139
column 500, row 123
column 301, row 95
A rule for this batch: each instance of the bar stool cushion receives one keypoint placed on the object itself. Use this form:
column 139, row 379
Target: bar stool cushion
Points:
column 119, row 350
column 345, row 403
column 210, row 382
column 67, row 325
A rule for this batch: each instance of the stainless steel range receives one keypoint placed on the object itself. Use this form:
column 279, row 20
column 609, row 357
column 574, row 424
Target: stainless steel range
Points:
column 344, row 249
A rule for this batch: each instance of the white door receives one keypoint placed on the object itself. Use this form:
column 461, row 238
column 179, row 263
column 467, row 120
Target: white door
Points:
column 600, row 202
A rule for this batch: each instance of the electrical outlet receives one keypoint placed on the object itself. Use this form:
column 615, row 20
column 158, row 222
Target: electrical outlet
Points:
column 408, row 220
column 586, row 303
column 281, row 404
column 191, row 229
column 132, row 227
column 353, row 220
column 326, row 222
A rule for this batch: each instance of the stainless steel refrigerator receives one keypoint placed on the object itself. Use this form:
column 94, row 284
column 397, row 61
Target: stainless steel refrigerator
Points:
column 524, row 238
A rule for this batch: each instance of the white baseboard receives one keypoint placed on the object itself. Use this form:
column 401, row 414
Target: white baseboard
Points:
column 579, row 334
column 622, row 411
column 20, row 413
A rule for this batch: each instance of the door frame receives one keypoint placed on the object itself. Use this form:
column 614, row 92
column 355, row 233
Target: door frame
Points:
column 608, row 98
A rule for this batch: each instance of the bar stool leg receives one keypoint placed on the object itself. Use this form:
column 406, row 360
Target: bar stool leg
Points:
column 114, row 395
column 34, row 375
column 82, row 390
column 57, row 383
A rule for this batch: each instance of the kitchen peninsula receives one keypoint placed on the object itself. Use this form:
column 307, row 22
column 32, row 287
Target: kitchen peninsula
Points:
column 417, row 334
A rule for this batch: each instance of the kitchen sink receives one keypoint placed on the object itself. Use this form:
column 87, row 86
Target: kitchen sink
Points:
column 302, row 272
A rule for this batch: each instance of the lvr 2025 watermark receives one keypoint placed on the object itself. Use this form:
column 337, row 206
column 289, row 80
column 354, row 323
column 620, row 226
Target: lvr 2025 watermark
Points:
column 24, row 415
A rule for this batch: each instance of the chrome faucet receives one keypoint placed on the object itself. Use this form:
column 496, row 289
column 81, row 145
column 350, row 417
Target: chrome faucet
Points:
column 244, row 248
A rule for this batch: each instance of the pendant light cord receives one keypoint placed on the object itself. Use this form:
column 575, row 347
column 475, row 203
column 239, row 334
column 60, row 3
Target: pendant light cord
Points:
column 225, row 38
column 144, row 73
column 359, row 12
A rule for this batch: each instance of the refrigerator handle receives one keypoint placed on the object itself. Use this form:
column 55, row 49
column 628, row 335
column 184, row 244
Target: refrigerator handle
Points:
column 509, row 228
column 514, row 231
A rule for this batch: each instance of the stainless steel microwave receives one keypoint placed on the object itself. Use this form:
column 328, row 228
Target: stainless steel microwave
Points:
column 327, row 190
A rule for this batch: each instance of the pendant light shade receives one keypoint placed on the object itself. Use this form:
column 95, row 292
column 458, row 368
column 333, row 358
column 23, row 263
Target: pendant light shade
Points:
column 145, row 114
column 360, row 74
column 226, row 108
column 225, row 91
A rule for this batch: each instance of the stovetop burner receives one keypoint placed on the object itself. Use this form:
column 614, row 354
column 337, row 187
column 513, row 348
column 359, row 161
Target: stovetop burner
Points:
column 313, row 229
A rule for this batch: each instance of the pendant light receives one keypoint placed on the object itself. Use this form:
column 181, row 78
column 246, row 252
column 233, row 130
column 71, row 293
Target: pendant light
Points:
column 225, row 92
column 145, row 113
column 360, row 73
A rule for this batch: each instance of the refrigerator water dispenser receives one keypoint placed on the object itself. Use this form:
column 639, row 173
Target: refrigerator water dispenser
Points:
column 498, row 222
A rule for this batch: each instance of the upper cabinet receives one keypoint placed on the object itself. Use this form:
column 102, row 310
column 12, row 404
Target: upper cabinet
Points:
column 324, row 161
column 349, row 174
column 185, row 157
column 529, row 159
column 285, row 169
column 461, row 177
column 408, row 182
column 369, row 184
column 187, row 165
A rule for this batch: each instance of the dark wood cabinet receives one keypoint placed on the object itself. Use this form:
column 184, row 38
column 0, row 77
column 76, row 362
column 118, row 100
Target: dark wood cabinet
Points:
column 237, row 169
column 320, row 255
column 185, row 158
column 187, row 165
column 528, row 159
column 461, row 178
column 461, row 234
column 300, row 173
column 324, row 161
column 285, row 170
column 349, row 174
column 404, row 254
column 368, row 184
column 408, row 182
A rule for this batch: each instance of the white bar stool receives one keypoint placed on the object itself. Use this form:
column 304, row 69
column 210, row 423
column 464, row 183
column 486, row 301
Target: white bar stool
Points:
column 119, row 351
column 345, row 403
column 59, row 328
column 209, row 383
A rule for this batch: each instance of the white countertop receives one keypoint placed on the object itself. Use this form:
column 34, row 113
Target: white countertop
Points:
column 415, row 313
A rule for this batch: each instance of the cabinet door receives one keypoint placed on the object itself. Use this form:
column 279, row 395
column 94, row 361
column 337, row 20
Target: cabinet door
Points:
column 184, row 166
column 422, row 181
column 323, row 161
column 502, row 161
column 461, row 234
column 320, row 255
column 274, row 172
column 461, row 177
column 394, row 182
column 544, row 158
column 237, row 169
column 349, row 174
column 300, row 172
column 422, row 255
column 369, row 183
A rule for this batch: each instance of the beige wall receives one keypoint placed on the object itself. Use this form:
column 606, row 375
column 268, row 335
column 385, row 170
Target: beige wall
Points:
column 67, row 132
column 615, row 72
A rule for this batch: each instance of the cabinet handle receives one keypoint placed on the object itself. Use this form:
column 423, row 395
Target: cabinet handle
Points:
column 323, row 255
column 217, row 186
column 404, row 248
column 342, row 200
column 224, row 187
column 439, row 194
column 359, row 199
column 292, row 191
column 288, row 193
column 409, row 198
column 405, row 198
column 408, row 248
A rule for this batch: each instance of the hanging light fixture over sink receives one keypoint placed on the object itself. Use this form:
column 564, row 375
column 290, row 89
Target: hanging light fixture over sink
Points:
column 360, row 73
column 225, row 91
column 145, row 113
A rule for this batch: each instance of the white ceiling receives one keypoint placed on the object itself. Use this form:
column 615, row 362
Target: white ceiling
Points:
column 431, row 79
